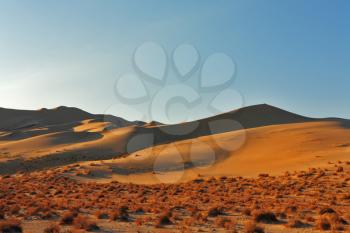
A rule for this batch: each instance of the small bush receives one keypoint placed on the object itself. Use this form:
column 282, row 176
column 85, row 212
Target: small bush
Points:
column 327, row 211
column 164, row 219
column 68, row 218
column 120, row 214
column 247, row 211
column 101, row 214
column 81, row 222
column 265, row 217
column 323, row 223
column 214, row 212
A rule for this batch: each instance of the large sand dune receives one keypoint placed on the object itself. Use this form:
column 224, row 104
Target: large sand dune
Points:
column 247, row 141
column 271, row 149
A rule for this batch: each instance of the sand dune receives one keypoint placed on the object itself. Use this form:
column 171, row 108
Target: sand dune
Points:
column 12, row 119
column 296, row 147
column 234, row 143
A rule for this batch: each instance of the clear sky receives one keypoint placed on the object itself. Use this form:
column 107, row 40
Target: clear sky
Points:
column 294, row 54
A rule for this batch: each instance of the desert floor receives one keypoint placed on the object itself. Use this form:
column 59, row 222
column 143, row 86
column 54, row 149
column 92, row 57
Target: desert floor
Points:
column 314, row 200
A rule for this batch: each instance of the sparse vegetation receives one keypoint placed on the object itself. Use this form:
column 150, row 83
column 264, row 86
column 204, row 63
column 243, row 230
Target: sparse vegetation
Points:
column 212, row 202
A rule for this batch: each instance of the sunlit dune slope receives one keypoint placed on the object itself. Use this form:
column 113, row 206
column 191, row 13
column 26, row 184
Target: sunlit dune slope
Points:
column 271, row 149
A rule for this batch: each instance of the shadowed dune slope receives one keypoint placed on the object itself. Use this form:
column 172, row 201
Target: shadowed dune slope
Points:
column 244, row 118
column 12, row 119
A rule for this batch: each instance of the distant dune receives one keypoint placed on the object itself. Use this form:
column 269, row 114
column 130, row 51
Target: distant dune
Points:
column 247, row 141
column 12, row 119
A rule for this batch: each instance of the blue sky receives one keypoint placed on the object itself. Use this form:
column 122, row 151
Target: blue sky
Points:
column 293, row 54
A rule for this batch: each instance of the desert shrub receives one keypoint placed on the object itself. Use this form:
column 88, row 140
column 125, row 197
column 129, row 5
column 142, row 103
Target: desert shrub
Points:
column 139, row 210
column 252, row 227
column 82, row 222
column 68, row 218
column 54, row 228
column 10, row 226
column 330, row 222
column 164, row 219
column 247, row 211
column 120, row 214
column 101, row 214
column 295, row 223
column 48, row 215
column 264, row 216
column 215, row 211
column 326, row 211
column 323, row 223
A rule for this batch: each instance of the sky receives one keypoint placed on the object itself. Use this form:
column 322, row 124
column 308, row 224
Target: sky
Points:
column 293, row 54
